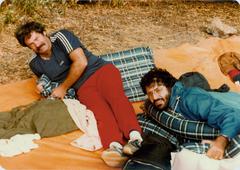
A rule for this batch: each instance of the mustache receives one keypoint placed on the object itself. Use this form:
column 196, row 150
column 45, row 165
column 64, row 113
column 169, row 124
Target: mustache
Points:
column 38, row 48
column 155, row 101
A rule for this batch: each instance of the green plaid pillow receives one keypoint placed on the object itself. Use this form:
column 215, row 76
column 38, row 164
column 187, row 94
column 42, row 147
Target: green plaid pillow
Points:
column 186, row 129
column 189, row 129
column 132, row 64
column 150, row 126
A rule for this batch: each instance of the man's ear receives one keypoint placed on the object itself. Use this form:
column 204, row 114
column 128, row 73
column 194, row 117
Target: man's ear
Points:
column 44, row 33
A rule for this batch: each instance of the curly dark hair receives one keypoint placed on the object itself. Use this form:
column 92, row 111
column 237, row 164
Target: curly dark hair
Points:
column 159, row 75
column 24, row 30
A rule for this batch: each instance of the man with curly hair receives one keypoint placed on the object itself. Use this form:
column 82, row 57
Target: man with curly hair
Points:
column 218, row 110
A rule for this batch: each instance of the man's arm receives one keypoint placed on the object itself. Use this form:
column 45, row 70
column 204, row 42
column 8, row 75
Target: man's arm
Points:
column 206, row 107
column 216, row 113
column 79, row 63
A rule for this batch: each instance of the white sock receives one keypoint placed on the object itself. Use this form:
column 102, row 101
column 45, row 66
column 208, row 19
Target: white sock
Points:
column 115, row 144
column 135, row 135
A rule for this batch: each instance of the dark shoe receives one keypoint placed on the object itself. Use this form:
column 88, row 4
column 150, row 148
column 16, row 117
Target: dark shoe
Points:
column 114, row 157
column 131, row 147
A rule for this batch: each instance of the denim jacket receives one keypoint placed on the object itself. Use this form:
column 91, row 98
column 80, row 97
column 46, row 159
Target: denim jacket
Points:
column 197, row 104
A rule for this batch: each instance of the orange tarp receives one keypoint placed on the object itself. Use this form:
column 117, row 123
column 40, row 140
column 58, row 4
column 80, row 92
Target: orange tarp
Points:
column 54, row 152
column 57, row 153
column 201, row 57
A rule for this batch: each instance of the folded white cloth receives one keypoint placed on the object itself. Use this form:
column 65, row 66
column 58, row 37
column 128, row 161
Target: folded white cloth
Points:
column 237, row 82
column 188, row 160
column 18, row 144
column 1, row 168
column 86, row 122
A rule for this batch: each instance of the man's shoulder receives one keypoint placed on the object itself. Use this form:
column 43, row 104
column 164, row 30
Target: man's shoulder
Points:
column 180, row 90
column 178, row 85
column 61, row 34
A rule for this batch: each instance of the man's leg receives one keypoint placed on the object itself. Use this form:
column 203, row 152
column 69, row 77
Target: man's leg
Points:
column 109, row 84
column 89, row 95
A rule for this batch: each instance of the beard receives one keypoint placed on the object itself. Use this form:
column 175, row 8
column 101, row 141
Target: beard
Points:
column 161, row 103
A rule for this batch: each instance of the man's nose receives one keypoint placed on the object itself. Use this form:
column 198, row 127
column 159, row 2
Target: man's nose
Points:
column 37, row 44
column 155, row 96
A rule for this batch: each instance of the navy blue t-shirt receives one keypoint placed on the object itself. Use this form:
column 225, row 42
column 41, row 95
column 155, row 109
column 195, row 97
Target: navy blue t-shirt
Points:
column 57, row 67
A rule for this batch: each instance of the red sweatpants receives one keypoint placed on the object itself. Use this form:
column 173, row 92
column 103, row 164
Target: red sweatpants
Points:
column 103, row 94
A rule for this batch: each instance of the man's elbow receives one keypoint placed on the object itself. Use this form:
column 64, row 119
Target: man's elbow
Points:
column 84, row 64
column 79, row 67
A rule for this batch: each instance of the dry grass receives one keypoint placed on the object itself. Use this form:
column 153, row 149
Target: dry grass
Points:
column 105, row 27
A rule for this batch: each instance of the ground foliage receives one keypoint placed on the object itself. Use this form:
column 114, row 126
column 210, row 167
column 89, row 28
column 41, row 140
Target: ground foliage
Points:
column 109, row 27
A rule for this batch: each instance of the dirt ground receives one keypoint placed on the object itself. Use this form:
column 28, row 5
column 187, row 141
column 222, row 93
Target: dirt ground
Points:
column 105, row 29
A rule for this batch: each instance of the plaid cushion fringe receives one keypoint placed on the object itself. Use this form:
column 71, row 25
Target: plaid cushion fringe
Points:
column 196, row 147
column 132, row 64
column 231, row 151
column 48, row 86
column 165, row 124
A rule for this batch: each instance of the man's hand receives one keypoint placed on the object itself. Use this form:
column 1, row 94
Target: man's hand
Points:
column 59, row 92
column 217, row 148
column 39, row 88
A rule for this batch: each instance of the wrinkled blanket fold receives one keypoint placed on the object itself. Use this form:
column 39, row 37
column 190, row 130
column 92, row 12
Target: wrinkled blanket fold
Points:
column 45, row 117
